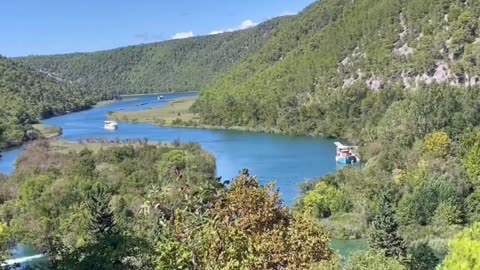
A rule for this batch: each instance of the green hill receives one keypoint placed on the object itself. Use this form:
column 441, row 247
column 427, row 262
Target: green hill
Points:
column 171, row 66
column 314, row 73
column 27, row 96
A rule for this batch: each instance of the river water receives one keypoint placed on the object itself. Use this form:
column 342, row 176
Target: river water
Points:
column 288, row 160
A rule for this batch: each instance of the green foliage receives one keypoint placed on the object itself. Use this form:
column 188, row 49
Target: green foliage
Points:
column 4, row 237
column 448, row 213
column 26, row 96
column 384, row 235
column 325, row 200
column 271, row 238
column 422, row 257
column 420, row 206
column 437, row 145
column 155, row 207
column 372, row 260
column 313, row 75
column 472, row 165
column 172, row 254
column 473, row 207
column 172, row 164
column 102, row 223
column 170, row 66
column 464, row 250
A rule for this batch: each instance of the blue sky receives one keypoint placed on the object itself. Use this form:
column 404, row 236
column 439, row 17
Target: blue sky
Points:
column 61, row 26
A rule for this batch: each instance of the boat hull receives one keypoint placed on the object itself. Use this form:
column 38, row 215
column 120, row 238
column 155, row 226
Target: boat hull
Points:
column 111, row 127
column 347, row 160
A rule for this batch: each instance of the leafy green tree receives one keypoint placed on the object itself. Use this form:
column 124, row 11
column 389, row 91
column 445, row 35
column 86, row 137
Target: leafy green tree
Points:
column 86, row 164
column 259, row 233
column 420, row 205
column 422, row 257
column 464, row 250
column 473, row 207
column 471, row 163
column 324, row 200
column 437, row 144
column 102, row 223
column 172, row 164
column 173, row 254
column 3, row 241
column 384, row 235
column 108, row 249
column 448, row 213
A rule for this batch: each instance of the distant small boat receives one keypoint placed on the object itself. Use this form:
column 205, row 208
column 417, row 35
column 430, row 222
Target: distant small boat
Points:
column 346, row 154
column 159, row 97
column 110, row 125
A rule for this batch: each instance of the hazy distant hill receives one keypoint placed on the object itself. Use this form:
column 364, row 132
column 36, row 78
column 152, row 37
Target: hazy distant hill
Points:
column 176, row 65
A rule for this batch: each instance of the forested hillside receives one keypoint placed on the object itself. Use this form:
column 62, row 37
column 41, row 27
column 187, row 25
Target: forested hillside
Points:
column 27, row 96
column 171, row 66
column 317, row 69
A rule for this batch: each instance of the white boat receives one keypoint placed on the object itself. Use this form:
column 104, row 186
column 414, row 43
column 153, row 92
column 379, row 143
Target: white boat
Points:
column 159, row 97
column 111, row 125
column 346, row 154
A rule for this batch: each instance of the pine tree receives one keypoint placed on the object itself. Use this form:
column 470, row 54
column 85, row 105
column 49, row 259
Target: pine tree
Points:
column 384, row 233
column 102, row 222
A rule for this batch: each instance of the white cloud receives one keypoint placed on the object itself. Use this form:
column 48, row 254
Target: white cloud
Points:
column 247, row 24
column 183, row 35
column 244, row 25
column 216, row 32
column 287, row 13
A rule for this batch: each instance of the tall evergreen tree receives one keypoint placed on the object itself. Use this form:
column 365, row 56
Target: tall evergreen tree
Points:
column 102, row 222
column 384, row 233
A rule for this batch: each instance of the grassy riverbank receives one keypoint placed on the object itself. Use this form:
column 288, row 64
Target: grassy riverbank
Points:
column 104, row 103
column 177, row 114
column 156, row 94
column 47, row 132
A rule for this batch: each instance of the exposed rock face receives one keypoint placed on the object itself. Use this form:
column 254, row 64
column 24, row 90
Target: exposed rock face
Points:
column 348, row 82
column 346, row 61
column 404, row 50
column 442, row 73
column 375, row 83
column 404, row 27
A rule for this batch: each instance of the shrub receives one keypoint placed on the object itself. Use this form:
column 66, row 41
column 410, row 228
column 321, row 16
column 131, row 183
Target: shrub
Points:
column 464, row 253
column 372, row 260
column 437, row 145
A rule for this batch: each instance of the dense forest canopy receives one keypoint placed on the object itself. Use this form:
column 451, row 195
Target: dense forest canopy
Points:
column 143, row 206
column 322, row 62
column 26, row 96
column 170, row 66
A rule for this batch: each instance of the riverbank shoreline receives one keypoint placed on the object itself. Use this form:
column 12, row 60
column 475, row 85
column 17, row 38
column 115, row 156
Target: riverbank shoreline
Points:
column 154, row 94
column 177, row 114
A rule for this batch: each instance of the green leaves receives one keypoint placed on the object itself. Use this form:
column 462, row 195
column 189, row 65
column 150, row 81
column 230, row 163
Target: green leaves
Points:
column 464, row 251
column 27, row 96
column 384, row 235
column 373, row 260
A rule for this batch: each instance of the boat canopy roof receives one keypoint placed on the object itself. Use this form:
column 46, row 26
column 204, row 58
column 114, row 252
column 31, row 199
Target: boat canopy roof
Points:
column 341, row 146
